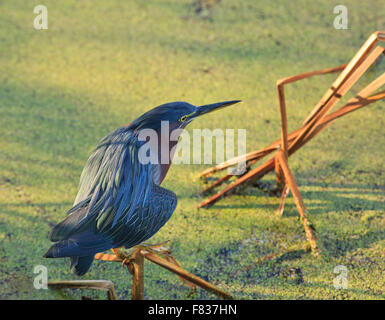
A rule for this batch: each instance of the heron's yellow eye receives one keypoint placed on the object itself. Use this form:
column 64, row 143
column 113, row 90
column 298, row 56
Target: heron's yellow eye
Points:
column 183, row 119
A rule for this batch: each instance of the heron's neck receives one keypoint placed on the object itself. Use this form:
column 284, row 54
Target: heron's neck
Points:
column 161, row 169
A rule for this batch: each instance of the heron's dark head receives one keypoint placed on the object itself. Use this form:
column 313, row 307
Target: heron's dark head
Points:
column 173, row 116
column 178, row 114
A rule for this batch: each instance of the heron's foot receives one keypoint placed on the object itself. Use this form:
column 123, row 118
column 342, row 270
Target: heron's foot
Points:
column 119, row 253
column 126, row 259
column 157, row 249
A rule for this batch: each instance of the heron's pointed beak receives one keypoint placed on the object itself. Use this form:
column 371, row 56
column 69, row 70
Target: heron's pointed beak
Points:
column 211, row 107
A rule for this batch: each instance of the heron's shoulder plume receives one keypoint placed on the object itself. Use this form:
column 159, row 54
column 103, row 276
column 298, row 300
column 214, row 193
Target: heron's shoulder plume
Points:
column 114, row 179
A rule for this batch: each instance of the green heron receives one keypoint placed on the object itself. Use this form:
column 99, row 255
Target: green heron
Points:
column 120, row 202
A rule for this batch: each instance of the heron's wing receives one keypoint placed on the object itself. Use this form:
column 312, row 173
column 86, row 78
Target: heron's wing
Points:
column 140, row 226
column 112, row 185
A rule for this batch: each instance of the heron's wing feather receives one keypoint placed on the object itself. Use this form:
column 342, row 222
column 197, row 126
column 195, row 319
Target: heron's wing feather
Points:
column 74, row 222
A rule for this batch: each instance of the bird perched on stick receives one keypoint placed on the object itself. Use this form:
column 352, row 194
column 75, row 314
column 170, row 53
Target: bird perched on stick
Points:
column 120, row 202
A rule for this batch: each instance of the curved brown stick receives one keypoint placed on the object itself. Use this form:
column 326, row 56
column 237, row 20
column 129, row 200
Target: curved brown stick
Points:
column 86, row 284
column 359, row 101
column 354, row 62
column 305, row 75
column 337, row 94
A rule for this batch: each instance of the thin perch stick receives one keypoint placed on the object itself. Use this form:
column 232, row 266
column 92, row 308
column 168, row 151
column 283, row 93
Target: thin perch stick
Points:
column 137, row 292
column 184, row 274
column 171, row 266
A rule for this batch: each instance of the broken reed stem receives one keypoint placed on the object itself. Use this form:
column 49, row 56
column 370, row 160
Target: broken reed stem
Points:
column 289, row 178
column 253, row 174
column 316, row 121
column 254, row 155
column 262, row 153
column 349, row 72
column 225, row 178
column 361, row 100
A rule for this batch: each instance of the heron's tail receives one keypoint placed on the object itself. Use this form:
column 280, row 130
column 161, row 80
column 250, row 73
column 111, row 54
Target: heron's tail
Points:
column 81, row 248
column 80, row 265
